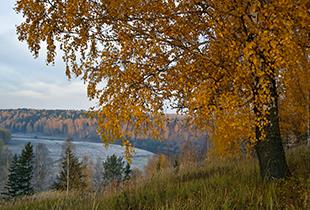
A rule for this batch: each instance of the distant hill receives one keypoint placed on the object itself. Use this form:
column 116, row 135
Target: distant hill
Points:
column 49, row 122
column 76, row 124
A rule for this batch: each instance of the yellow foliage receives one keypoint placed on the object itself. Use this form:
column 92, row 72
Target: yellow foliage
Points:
column 234, row 128
column 201, row 57
column 295, row 107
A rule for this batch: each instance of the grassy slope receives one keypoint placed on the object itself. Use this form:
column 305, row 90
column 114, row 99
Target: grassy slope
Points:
column 228, row 185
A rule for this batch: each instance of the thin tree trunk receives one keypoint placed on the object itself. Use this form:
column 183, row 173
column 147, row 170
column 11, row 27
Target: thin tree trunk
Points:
column 270, row 152
column 68, row 176
column 308, row 117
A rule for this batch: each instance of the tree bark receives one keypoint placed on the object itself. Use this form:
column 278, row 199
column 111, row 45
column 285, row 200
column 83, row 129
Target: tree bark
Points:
column 308, row 117
column 270, row 152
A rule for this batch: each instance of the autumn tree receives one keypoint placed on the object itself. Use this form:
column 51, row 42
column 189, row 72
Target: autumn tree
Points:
column 42, row 168
column 88, row 173
column 97, row 175
column 5, row 135
column 157, row 165
column 5, row 160
column 295, row 108
column 205, row 58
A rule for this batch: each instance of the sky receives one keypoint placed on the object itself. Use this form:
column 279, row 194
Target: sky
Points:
column 26, row 82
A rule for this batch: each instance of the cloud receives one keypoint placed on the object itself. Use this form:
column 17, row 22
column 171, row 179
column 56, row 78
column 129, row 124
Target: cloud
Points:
column 41, row 95
column 26, row 82
column 8, row 17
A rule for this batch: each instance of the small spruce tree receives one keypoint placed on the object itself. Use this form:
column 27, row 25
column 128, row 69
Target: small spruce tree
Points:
column 115, row 170
column 20, row 174
column 12, row 185
column 71, row 174
column 26, row 170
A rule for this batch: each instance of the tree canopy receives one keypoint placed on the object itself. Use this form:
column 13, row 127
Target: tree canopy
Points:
column 208, row 59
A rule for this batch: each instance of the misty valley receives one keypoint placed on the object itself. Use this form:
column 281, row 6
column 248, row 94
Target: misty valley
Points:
column 82, row 149
column 49, row 152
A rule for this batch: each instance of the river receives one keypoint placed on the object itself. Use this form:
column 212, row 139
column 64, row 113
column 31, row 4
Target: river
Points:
column 95, row 151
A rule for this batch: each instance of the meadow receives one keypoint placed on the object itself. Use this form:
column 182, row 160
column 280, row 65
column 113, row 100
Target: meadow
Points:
column 213, row 185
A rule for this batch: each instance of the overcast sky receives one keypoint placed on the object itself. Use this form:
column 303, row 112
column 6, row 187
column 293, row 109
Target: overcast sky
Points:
column 26, row 82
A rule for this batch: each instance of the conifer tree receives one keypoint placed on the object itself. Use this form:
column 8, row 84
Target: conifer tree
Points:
column 71, row 174
column 12, row 186
column 115, row 170
column 25, row 170
column 20, row 174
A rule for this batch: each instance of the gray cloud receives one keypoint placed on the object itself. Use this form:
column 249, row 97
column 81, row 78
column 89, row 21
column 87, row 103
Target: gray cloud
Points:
column 27, row 82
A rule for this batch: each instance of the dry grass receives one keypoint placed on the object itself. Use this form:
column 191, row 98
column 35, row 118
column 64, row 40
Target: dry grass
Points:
column 221, row 185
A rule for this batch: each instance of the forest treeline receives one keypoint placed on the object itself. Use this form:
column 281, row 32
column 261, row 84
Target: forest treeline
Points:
column 79, row 126
column 49, row 122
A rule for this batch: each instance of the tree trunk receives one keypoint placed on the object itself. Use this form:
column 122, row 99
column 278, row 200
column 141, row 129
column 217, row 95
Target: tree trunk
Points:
column 270, row 152
column 308, row 117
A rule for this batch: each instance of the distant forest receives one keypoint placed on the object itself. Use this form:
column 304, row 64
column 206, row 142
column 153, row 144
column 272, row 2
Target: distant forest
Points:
column 49, row 122
column 76, row 124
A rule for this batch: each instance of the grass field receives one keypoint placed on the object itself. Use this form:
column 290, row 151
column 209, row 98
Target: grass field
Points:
column 217, row 185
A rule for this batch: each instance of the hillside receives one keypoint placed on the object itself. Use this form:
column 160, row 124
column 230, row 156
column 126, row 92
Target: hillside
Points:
column 49, row 122
column 76, row 124
column 217, row 185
